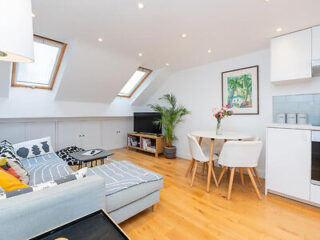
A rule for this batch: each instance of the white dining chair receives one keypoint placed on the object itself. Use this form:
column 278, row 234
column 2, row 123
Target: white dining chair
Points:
column 243, row 155
column 199, row 156
column 254, row 169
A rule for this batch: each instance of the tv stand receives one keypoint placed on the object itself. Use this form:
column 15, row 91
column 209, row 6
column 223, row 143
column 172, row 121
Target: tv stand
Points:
column 145, row 142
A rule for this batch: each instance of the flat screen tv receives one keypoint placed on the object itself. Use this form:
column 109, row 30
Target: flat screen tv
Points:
column 143, row 122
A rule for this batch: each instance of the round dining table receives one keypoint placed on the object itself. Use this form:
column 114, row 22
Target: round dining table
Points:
column 226, row 136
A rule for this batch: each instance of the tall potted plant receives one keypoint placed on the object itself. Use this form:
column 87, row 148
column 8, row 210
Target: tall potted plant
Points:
column 171, row 115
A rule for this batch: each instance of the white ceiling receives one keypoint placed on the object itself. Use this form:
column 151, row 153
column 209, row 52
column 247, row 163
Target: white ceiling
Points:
column 229, row 27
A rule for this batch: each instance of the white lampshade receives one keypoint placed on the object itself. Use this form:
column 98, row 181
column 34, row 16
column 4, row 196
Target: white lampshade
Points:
column 16, row 31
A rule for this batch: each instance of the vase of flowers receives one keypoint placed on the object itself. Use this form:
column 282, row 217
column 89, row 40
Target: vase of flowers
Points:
column 220, row 114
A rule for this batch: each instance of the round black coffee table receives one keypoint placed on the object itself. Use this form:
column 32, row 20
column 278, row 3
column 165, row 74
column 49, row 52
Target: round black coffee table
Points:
column 85, row 159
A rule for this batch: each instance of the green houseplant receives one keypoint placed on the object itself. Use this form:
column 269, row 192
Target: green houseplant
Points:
column 171, row 115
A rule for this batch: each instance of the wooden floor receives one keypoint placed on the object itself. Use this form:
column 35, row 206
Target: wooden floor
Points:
column 191, row 213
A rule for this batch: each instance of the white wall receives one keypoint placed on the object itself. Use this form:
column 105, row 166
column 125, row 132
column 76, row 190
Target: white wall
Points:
column 199, row 89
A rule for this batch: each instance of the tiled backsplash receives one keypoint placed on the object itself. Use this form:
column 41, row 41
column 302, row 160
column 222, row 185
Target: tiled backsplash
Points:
column 304, row 103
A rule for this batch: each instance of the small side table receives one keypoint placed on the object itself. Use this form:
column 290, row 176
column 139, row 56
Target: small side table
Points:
column 84, row 159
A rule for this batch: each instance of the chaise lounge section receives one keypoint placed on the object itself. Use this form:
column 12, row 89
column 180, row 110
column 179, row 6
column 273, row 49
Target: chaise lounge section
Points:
column 127, row 190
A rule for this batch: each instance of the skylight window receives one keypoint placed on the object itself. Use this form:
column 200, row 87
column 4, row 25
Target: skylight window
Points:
column 134, row 82
column 43, row 71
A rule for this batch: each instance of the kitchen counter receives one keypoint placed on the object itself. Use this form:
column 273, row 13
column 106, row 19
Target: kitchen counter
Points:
column 294, row 126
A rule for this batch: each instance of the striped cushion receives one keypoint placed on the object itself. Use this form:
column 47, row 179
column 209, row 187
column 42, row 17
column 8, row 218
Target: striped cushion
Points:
column 120, row 175
column 45, row 168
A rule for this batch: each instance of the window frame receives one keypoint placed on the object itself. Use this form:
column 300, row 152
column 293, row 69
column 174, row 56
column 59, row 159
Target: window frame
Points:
column 55, row 71
column 149, row 71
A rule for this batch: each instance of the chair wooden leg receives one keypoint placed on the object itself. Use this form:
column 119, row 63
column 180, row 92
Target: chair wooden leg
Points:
column 241, row 175
column 190, row 167
column 231, row 182
column 214, row 177
column 257, row 176
column 194, row 172
column 203, row 168
column 253, row 183
column 221, row 174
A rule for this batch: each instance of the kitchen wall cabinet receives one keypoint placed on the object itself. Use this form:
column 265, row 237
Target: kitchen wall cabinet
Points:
column 316, row 43
column 291, row 56
column 288, row 169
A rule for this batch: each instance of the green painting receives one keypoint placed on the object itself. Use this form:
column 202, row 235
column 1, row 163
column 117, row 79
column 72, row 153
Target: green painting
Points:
column 240, row 90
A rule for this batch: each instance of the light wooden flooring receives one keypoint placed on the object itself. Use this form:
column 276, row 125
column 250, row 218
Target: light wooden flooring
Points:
column 192, row 213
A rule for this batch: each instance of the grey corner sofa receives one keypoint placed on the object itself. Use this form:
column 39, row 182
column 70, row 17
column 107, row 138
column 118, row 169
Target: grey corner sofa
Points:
column 121, row 188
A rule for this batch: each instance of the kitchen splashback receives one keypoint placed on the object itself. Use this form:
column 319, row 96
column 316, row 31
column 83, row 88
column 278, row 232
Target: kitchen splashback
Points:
column 304, row 103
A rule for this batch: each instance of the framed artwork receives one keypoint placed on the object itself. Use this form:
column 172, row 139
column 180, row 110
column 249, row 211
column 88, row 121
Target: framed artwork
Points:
column 240, row 89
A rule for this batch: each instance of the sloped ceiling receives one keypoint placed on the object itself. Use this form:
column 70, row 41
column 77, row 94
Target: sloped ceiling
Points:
column 93, row 74
column 96, row 71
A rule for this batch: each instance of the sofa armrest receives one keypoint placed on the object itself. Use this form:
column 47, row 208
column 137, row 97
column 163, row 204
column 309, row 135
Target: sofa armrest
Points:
column 31, row 214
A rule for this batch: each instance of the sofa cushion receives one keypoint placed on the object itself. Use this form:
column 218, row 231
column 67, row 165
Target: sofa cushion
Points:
column 23, row 174
column 45, row 168
column 126, row 182
column 64, row 154
column 9, row 182
column 7, row 151
column 33, row 148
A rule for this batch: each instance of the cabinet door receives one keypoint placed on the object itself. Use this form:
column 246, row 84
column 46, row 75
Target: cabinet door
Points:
column 316, row 43
column 115, row 132
column 35, row 130
column 90, row 134
column 291, row 56
column 289, row 162
column 68, row 134
column 13, row 132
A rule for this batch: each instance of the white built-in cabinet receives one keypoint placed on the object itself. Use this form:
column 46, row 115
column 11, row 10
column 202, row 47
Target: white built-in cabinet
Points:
column 291, row 56
column 316, row 43
column 288, row 165
column 289, row 162
column 84, row 134
column 107, row 133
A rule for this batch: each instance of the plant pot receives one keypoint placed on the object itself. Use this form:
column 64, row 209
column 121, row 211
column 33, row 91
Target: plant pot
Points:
column 170, row 152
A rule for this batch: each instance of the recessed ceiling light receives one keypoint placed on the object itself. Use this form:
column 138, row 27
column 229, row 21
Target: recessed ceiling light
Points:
column 267, row 1
column 33, row 15
column 100, row 40
column 167, row 64
column 279, row 29
column 140, row 5
column 209, row 50
column 140, row 54
column 184, row 35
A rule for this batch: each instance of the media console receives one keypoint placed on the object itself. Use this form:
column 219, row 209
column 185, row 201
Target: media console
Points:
column 145, row 142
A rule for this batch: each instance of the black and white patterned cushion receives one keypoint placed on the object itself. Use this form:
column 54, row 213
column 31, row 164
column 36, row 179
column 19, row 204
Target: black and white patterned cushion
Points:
column 65, row 154
column 7, row 151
